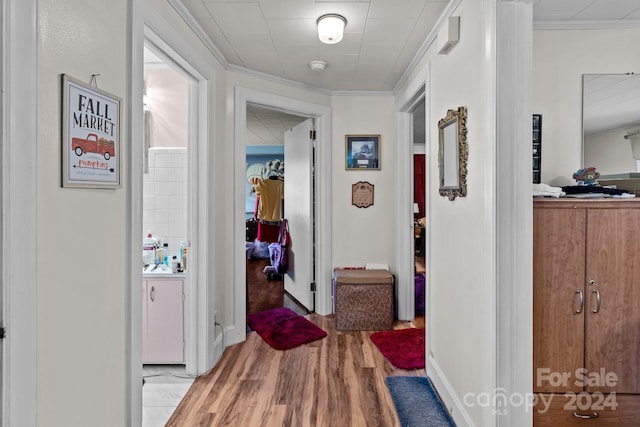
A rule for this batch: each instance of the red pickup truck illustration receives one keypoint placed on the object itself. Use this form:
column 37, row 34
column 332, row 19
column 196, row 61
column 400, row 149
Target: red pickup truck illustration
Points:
column 93, row 144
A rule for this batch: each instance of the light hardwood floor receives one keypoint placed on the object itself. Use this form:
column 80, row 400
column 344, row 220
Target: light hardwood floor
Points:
column 336, row 381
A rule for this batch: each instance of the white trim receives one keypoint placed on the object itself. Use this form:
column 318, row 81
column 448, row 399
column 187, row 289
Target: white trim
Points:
column 513, row 206
column 431, row 37
column 612, row 24
column 200, row 355
column 19, row 203
column 456, row 408
column 489, row 164
column 405, row 291
column 322, row 114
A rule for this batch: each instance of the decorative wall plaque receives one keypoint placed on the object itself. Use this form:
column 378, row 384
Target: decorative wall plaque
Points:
column 362, row 194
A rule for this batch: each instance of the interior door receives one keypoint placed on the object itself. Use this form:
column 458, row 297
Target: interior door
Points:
column 298, row 197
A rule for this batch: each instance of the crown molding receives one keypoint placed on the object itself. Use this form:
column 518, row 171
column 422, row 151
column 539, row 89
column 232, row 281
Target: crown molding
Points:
column 431, row 38
column 587, row 25
column 188, row 18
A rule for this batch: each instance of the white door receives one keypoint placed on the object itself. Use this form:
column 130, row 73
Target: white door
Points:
column 298, row 198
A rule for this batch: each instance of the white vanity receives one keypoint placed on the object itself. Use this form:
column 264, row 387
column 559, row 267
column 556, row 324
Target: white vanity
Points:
column 163, row 318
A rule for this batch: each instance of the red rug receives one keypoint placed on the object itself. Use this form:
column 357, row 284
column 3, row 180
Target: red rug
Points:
column 283, row 329
column 403, row 348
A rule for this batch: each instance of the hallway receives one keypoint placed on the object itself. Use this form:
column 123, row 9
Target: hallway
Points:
column 336, row 381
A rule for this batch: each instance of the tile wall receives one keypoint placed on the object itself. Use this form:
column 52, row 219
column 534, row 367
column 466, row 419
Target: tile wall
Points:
column 165, row 196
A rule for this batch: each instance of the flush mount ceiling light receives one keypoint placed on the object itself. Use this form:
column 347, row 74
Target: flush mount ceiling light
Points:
column 317, row 65
column 331, row 28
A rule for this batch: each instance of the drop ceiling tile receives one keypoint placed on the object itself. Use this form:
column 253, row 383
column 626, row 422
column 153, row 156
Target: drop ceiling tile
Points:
column 221, row 42
column 287, row 9
column 293, row 31
column 388, row 31
column 609, row 10
column 251, row 43
column 350, row 44
column 238, row 18
column 341, row 62
column 377, row 54
column 297, row 54
column 549, row 10
column 390, row 9
column 264, row 63
column 197, row 8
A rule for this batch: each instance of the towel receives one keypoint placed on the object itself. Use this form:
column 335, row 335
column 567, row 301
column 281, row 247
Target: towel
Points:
column 544, row 190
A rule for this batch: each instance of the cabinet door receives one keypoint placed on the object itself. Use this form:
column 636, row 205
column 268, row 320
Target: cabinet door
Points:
column 613, row 274
column 558, row 280
column 164, row 322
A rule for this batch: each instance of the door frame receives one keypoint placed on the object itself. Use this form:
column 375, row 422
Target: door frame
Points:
column 148, row 26
column 416, row 91
column 322, row 114
column 19, row 214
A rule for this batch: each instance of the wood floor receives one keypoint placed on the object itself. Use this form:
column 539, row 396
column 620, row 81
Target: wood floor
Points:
column 336, row 381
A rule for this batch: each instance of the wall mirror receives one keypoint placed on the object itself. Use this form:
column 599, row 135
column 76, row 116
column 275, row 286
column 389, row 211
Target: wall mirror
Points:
column 453, row 153
column 610, row 114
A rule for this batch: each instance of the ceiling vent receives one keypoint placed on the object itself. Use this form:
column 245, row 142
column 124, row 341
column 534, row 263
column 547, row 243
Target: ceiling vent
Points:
column 449, row 34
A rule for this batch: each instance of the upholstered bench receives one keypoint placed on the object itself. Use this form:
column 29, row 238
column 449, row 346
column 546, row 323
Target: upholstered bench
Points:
column 364, row 299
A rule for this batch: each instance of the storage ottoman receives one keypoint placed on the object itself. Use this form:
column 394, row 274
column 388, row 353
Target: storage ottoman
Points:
column 364, row 299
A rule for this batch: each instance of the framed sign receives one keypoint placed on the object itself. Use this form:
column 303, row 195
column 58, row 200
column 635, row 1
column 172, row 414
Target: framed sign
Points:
column 90, row 136
column 362, row 152
column 362, row 194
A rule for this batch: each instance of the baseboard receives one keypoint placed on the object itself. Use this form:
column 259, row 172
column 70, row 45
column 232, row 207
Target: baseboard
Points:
column 452, row 403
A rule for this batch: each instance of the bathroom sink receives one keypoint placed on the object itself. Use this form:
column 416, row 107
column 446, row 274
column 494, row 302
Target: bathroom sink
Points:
column 156, row 269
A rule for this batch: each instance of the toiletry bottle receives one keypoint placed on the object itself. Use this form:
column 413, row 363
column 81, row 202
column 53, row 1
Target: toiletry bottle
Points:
column 183, row 255
column 165, row 254
column 149, row 249
column 174, row 264
column 159, row 254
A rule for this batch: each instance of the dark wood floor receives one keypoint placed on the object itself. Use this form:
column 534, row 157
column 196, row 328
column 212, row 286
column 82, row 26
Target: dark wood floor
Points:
column 336, row 381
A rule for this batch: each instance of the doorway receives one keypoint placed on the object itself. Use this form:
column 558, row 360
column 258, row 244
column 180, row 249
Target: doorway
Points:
column 269, row 176
column 419, row 208
column 198, row 328
column 321, row 186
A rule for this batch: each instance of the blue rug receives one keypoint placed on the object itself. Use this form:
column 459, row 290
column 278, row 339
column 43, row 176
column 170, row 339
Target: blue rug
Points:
column 417, row 404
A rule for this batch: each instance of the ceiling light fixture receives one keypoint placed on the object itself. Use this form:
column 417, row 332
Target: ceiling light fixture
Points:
column 317, row 65
column 331, row 28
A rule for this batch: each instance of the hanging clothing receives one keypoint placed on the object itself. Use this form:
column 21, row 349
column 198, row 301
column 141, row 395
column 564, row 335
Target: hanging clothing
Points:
column 271, row 193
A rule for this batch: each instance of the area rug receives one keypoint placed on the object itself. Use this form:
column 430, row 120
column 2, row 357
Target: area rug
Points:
column 283, row 329
column 403, row 348
column 417, row 403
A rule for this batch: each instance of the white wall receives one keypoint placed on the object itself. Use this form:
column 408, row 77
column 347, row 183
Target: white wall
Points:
column 362, row 235
column 560, row 58
column 458, row 328
column 81, row 232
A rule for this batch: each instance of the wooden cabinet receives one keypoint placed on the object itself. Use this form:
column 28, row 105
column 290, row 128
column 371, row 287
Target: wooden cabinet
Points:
column 586, row 304
column 163, row 320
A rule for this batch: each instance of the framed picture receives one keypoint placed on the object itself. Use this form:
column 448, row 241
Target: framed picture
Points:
column 90, row 136
column 362, row 152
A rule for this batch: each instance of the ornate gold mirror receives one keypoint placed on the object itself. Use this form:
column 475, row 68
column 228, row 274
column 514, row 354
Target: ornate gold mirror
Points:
column 453, row 153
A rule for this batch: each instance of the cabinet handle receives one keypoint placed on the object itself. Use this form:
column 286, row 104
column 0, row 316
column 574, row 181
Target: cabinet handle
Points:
column 579, row 292
column 586, row 417
column 599, row 302
column 152, row 294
